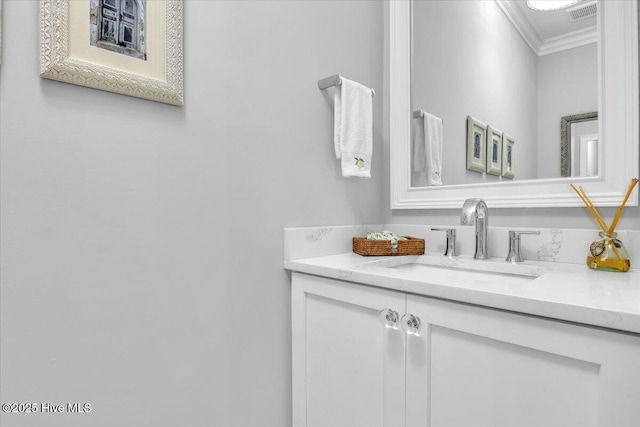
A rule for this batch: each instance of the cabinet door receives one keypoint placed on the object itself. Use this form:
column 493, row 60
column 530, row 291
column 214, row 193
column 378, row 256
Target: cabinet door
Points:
column 476, row 366
column 348, row 369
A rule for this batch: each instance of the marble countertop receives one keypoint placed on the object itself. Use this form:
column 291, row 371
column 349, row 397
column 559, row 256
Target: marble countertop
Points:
column 564, row 291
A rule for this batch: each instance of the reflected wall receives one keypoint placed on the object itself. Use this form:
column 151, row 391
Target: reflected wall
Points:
column 468, row 59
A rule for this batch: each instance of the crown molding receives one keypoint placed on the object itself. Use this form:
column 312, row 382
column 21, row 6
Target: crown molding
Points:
column 569, row 41
column 541, row 46
column 517, row 17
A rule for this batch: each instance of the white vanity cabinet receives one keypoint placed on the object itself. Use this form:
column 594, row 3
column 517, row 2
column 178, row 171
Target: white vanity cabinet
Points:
column 348, row 369
column 469, row 366
column 474, row 366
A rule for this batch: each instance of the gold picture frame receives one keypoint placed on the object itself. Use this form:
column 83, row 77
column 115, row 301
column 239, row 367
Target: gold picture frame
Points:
column 67, row 55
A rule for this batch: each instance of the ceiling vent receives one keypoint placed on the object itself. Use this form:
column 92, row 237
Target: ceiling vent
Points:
column 583, row 11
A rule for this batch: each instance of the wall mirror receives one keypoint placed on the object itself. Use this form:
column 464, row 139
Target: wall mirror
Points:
column 442, row 61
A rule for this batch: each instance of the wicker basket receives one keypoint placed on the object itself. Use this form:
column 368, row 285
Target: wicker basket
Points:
column 366, row 247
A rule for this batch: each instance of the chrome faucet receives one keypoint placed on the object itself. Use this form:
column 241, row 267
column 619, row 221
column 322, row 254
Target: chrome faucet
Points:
column 515, row 254
column 450, row 252
column 475, row 211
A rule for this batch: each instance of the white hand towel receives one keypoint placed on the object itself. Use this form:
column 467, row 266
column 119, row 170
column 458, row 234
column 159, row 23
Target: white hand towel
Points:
column 427, row 148
column 353, row 128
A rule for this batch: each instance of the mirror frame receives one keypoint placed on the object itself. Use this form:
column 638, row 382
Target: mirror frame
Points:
column 618, row 113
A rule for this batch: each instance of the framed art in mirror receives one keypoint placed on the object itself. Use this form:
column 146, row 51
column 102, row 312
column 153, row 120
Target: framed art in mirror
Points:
column 617, row 70
column 494, row 151
column 476, row 145
column 130, row 47
column 508, row 169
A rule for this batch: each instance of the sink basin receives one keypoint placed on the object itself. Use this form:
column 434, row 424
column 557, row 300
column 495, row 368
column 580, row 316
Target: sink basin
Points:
column 437, row 269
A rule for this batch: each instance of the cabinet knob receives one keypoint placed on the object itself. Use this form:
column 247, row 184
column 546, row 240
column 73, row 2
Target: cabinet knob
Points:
column 411, row 324
column 389, row 318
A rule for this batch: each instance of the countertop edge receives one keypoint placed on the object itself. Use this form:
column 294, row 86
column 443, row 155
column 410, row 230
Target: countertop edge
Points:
column 342, row 267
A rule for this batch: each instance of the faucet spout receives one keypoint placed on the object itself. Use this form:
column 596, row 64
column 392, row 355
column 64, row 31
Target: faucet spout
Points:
column 475, row 211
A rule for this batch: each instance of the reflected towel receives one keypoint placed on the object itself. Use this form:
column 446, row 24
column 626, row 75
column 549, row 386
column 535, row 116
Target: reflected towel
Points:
column 353, row 128
column 427, row 148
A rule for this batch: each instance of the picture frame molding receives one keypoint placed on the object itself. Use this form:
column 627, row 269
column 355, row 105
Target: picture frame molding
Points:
column 474, row 164
column 493, row 169
column 56, row 63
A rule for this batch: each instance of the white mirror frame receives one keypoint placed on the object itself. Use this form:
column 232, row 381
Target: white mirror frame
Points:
column 618, row 109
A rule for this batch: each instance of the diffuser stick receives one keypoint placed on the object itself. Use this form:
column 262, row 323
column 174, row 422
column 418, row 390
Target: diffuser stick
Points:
column 634, row 181
column 594, row 210
column 590, row 206
column 602, row 260
column 599, row 218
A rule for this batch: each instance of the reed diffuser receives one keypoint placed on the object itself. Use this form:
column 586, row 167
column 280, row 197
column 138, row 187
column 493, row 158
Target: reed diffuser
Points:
column 607, row 253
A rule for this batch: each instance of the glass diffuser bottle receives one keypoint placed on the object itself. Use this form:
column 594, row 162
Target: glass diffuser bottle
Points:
column 608, row 253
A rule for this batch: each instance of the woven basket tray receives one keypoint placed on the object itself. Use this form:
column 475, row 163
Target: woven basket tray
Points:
column 365, row 247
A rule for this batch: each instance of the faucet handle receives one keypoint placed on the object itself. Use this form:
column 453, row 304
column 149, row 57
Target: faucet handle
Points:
column 515, row 254
column 450, row 252
column 515, row 234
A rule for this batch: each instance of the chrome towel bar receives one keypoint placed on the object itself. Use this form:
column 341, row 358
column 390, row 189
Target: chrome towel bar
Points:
column 418, row 114
column 335, row 80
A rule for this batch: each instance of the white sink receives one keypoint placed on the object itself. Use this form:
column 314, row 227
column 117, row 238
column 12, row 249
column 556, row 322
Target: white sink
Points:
column 438, row 269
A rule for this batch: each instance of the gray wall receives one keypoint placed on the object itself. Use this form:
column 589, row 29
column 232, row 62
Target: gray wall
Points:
column 142, row 243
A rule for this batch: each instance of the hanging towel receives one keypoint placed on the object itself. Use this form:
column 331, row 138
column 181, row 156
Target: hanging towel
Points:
column 353, row 128
column 427, row 148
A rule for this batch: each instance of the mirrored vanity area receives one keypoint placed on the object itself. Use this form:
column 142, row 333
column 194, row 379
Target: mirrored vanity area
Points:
column 553, row 101
column 461, row 338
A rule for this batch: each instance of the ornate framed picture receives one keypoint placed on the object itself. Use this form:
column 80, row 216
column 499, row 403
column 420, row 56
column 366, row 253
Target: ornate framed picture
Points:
column 494, row 151
column 508, row 156
column 130, row 47
column 476, row 145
